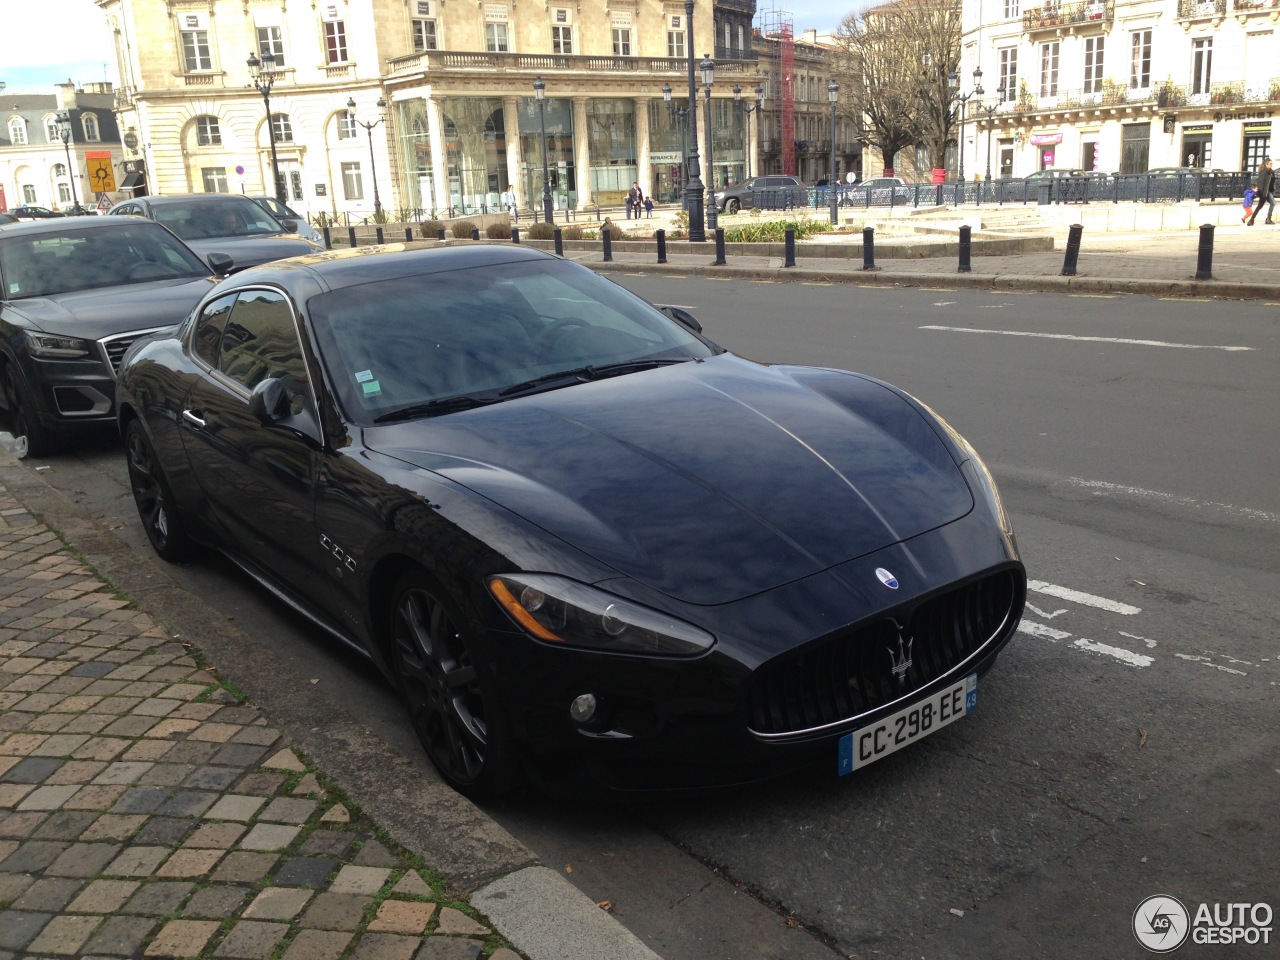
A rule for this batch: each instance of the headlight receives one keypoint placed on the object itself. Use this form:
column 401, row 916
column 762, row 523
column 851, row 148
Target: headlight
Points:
column 566, row 612
column 720, row 195
column 52, row 347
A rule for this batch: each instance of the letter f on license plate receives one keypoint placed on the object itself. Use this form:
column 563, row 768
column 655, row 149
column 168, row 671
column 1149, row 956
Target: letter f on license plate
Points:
column 869, row 744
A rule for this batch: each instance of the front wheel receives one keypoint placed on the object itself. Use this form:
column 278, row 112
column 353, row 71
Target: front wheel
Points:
column 160, row 518
column 31, row 437
column 448, row 694
column 732, row 205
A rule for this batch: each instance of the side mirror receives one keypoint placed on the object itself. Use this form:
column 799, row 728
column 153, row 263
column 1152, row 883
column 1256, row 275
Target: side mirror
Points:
column 682, row 317
column 269, row 401
column 221, row 263
column 290, row 226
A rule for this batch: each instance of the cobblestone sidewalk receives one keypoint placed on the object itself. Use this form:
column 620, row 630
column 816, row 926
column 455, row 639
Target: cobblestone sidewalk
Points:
column 145, row 812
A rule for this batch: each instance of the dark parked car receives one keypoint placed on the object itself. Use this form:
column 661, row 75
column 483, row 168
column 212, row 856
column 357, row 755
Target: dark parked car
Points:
column 223, row 223
column 772, row 192
column 582, row 539
column 31, row 212
column 74, row 293
column 6, row 218
column 283, row 212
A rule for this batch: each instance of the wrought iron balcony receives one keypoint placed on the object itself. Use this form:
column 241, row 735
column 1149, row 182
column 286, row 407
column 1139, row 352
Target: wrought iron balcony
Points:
column 1201, row 9
column 1254, row 6
column 1053, row 14
column 436, row 61
column 733, row 53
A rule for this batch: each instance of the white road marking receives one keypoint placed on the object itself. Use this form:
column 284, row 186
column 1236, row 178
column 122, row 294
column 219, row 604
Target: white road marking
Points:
column 1133, row 636
column 1121, row 654
column 1088, row 599
column 1040, row 613
column 1209, row 663
column 1169, row 498
column 1040, row 630
column 945, row 303
column 1072, row 336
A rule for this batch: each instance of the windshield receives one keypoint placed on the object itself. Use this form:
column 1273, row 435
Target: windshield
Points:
column 120, row 251
column 434, row 343
column 204, row 219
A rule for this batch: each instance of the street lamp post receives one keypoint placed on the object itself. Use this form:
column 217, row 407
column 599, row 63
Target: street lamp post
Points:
column 262, row 74
column 540, row 91
column 368, row 129
column 964, row 98
column 693, row 189
column 708, row 78
column 678, row 114
column 991, row 109
column 64, row 132
column 833, row 94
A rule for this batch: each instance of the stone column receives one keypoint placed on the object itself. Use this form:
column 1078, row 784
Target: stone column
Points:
column 645, row 174
column 439, row 157
column 754, row 142
column 511, row 123
column 581, row 151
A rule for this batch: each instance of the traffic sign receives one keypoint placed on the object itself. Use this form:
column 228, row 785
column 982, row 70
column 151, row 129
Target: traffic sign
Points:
column 102, row 178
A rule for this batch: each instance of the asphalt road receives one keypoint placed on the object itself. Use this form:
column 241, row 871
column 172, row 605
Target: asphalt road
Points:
column 1125, row 745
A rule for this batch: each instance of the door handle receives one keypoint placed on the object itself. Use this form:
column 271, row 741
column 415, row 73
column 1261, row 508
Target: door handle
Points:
column 193, row 416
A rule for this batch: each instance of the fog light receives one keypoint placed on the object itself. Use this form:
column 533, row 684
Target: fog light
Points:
column 583, row 708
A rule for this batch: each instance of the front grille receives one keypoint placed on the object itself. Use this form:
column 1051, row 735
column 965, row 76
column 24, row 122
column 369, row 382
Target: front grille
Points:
column 116, row 347
column 844, row 676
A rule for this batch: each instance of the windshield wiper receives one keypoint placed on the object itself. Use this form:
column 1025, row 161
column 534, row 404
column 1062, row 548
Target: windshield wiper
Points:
column 589, row 372
column 433, row 407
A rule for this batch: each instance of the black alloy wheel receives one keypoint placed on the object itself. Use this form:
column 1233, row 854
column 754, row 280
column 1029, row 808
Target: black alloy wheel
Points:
column 732, row 205
column 160, row 519
column 31, row 437
column 447, row 693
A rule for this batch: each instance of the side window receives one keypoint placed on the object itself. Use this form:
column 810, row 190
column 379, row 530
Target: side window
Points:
column 209, row 327
column 261, row 342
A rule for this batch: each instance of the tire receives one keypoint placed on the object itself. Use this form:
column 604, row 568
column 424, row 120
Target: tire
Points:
column 732, row 205
column 31, row 437
column 447, row 692
column 156, row 509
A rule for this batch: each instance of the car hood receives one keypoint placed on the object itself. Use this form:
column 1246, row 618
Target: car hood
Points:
column 706, row 481
column 251, row 251
column 110, row 310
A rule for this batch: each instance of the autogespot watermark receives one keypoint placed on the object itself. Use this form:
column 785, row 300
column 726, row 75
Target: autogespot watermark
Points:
column 1162, row 924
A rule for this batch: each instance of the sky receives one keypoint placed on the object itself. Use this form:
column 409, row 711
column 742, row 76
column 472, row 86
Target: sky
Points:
column 83, row 52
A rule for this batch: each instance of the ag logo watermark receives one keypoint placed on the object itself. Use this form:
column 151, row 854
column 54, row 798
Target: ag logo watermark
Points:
column 1162, row 924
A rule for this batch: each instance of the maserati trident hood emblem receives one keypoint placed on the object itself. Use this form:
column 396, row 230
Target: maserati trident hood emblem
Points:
column 887, row 578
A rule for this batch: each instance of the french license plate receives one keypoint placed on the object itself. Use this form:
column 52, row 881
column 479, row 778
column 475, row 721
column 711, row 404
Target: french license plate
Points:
column 861, row 747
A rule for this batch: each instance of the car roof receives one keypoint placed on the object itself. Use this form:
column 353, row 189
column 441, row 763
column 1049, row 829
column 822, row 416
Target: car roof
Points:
column 196, row 198
column 62, row 224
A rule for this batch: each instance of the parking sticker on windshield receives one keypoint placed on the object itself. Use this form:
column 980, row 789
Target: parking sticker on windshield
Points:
column 372, row 388
column 364, row 376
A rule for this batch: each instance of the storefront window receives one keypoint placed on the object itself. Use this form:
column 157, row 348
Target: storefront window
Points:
column 667, row 135
column 728, row 141
column 611, row 142
column 476, row 151
column 560, row 159
column 415, row 157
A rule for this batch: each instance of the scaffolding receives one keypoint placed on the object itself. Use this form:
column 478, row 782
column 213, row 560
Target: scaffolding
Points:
column 777, row 24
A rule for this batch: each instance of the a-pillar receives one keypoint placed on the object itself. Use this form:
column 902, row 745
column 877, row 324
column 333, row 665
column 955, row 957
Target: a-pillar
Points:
column 439, row 158
column 645, row 178
column 581, row 151
column 511, row 123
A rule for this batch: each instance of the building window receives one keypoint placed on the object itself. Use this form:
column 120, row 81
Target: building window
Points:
column 1049, row 69
column 18, row 131
column 215, row 179
column 1009, row 73
column 59, row 169
column 622, row 41
column 495, row 38
column 282, row 128
column 352, row 185
column 335, row 41
column 561, row 39
column 195, row 50
column 51, row 130
column 742, row 44
column 1201, row 64
column 1140, row 65
column 208, row 133
column 64, row 192
column 1093, row 49
column 1257, row 147
column 675, row 44
column 271, row 44
column 346, row 125
column 90, row 123
column 1011, row 9
column 424, row 36
column 728, row 36
column 28, row 191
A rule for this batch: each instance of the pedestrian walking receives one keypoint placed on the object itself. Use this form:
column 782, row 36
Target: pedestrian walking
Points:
column 648, row 207
column 1265, row 184
column 509, row 201
column 634, row 198
column 1250, row 195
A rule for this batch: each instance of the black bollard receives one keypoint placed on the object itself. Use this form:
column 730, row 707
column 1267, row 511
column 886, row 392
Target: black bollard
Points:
column 789, row 259
column 351, row 236
column 408, row 234
column 328, row 240
column 475, row 233
column 662, row 246
column 440, row 234
column 378, row 233
column 868, row 248
column 515, row 234
column 719, row 260
column 964, row 249
column 607, row 235
column 1204, row 265
column 559, row 237
column 1073, row 250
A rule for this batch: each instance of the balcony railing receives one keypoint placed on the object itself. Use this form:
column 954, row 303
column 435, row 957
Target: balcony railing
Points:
column 733, row 53
column 1054, row 14
column 440, row 61
column 1201, row 9
column 1254, row 6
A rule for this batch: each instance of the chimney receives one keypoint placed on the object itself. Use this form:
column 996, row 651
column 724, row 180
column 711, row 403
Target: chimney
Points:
column 66, row 94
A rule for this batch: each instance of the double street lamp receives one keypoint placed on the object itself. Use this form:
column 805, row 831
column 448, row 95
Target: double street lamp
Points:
column 833, row 94
column 990, row 110
column 540, row 92
column 953, row 81
column 368, row 129
column 748, row 109
column 708, row 78
column 693, row 188
column 262, row 74
column 63, row 121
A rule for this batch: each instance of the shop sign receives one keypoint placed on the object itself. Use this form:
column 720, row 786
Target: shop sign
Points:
column 1045, row 139
column 670, row 156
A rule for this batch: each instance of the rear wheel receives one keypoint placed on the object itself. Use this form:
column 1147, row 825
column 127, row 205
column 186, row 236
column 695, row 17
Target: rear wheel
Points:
column 31, row 437
column 450, row 699
column 732, row 205
column 160, row 518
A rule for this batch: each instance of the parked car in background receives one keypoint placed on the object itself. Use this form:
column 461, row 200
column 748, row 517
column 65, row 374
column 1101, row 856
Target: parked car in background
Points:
column 75, row 292
column 31, row 212
column 875, row 191
column 509, row 483
column 1055, row 174
column 283, row 212
column 773, row 191
column 7, row 218
column 223, row 223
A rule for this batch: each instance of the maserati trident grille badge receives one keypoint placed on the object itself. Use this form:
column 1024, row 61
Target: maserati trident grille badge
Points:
column 887, row 578
column 900, row 660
